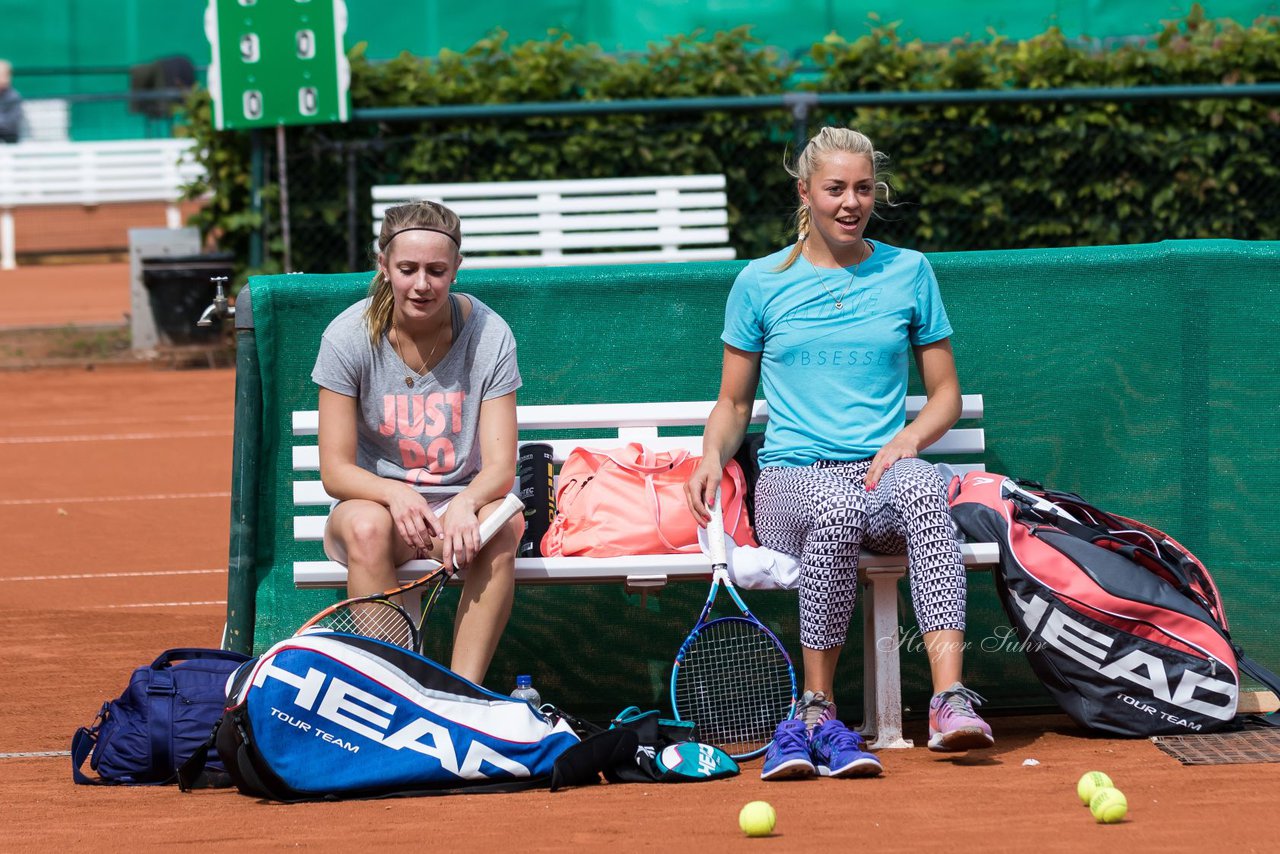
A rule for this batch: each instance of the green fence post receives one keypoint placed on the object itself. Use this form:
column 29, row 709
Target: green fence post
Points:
column 241, row 566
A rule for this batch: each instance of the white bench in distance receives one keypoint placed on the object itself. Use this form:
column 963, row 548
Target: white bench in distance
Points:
column 92, row 173
column 641, row 422
column 588, row 221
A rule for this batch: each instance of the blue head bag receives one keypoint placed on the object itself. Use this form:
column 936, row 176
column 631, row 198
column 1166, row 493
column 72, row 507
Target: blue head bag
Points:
column 330, row 715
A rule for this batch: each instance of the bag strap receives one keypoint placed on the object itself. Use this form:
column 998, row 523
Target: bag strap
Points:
column 81, row 746
column 186, row 653
column 655, row 505
column 160, row 721
column 735, row 509
column 644, row 462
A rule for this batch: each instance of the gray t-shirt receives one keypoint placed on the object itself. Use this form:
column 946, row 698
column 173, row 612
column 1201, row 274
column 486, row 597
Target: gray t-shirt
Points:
column 424, row 435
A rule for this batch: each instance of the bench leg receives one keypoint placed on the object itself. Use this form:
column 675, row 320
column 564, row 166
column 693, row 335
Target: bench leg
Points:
column 882, row 678
column 8, row 252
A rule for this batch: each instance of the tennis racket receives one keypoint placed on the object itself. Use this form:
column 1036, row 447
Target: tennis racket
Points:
column 381, row 615
column 732, row 676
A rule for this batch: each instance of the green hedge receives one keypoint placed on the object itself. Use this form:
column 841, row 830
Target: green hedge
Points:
column 986, row 175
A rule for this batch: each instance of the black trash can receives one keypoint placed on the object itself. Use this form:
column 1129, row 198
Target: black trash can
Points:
column 180, row 288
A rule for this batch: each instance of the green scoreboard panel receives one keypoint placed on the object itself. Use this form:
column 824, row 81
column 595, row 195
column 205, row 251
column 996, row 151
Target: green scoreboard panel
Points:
column 277, row 62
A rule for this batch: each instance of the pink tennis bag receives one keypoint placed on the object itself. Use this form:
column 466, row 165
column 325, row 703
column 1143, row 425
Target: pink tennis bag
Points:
column 630, row 501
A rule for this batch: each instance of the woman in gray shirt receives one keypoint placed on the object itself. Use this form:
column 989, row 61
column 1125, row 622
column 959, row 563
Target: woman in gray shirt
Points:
column 418, row 428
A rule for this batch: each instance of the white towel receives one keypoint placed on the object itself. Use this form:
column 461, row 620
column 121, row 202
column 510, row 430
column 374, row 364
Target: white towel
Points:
column 755, row 567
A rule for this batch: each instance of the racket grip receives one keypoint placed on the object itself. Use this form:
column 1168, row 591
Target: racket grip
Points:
column 510, row 506
column 715, row 533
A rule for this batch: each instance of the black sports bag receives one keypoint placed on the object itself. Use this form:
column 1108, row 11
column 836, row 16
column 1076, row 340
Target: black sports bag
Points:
column 1123, row 625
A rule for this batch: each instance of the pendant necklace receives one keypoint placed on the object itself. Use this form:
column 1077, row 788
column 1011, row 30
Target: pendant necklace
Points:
column 838, row 300
column 410, row 379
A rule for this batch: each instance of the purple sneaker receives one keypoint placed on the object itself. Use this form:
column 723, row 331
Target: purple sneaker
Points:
column 954, row 725
column 788, row 755
column 840, row 752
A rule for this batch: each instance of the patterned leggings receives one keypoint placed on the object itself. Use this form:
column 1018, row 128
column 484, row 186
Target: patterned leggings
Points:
column 824, row 515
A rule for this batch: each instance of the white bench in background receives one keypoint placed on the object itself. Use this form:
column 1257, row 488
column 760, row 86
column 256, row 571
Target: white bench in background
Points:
column 92, row 173
column 589, row 221
column 640, row 422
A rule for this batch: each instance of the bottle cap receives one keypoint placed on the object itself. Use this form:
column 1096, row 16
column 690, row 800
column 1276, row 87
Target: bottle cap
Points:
column 523, row 681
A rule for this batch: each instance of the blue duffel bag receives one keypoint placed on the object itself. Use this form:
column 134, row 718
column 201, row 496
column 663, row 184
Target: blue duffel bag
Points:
column 166, row 713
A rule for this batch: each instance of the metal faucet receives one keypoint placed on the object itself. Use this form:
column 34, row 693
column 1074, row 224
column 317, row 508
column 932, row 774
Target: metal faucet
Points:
column 219, row 308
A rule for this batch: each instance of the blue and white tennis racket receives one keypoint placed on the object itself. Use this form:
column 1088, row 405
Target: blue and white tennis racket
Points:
column 732, row 676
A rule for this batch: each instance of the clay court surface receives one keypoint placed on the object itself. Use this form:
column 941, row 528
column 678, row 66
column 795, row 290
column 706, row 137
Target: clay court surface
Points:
column 114, row 506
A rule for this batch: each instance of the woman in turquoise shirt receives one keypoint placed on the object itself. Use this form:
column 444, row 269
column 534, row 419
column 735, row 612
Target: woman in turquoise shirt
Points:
column 827, row 325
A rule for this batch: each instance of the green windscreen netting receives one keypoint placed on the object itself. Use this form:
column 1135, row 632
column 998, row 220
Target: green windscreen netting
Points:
column 1139, row 376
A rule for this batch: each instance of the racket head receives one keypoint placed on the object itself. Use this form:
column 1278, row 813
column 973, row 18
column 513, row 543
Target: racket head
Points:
column 734, row 679
column 375, row 617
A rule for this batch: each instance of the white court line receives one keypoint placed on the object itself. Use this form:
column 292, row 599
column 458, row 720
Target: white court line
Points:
column 167, row 496
column 95, row 575
column 98, row 422
column 110, row 437
column 165, row 604
column 35, row 753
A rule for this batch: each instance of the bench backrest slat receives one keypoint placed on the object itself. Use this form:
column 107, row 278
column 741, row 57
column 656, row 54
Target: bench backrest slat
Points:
column 559, row 204
column 475, row 226
column 626, row 421
column 693, row 413
column 564, row 186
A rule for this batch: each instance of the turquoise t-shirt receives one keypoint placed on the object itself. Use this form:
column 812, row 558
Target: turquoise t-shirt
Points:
column 835, row 379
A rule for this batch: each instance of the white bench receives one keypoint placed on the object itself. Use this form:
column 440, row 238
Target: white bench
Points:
column 641, row 422
column 570, row 222
column 92, row 173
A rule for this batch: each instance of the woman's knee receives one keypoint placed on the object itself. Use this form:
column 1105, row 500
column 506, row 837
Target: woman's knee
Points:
column 365, row 531
column 919, row 473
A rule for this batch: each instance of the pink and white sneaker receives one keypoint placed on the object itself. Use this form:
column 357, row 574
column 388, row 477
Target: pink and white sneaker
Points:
column 954, row 725
column 814, row 709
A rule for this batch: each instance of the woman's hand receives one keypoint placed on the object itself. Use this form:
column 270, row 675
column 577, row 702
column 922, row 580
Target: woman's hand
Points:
column 413, row 518
column 460, row 534
column 900, row 447
column 700, row 489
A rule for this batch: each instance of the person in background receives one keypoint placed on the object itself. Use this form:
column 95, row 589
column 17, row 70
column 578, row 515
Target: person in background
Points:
column 12, row 120
column 418, row 429
column 828, row 325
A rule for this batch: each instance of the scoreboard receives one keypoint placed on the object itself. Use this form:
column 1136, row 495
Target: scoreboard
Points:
column 277, row 62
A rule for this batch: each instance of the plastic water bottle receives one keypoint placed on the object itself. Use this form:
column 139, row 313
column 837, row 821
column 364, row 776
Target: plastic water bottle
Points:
column 525, row 691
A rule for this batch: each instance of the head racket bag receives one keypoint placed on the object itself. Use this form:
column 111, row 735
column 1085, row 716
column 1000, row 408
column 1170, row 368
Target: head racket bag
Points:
column 328, row 715
column 1123, row 626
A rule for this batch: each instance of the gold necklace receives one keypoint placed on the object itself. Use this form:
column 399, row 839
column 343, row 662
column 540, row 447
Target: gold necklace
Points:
column 838, row 300
column 410, row 379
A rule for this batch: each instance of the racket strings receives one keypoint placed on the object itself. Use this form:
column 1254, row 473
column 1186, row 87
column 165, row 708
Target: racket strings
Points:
column 736, row 684
column 378, row 619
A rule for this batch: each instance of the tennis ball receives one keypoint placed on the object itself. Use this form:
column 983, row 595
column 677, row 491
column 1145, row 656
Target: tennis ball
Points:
column 1090, row 783
column 1109, row 806
column 757, row 819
